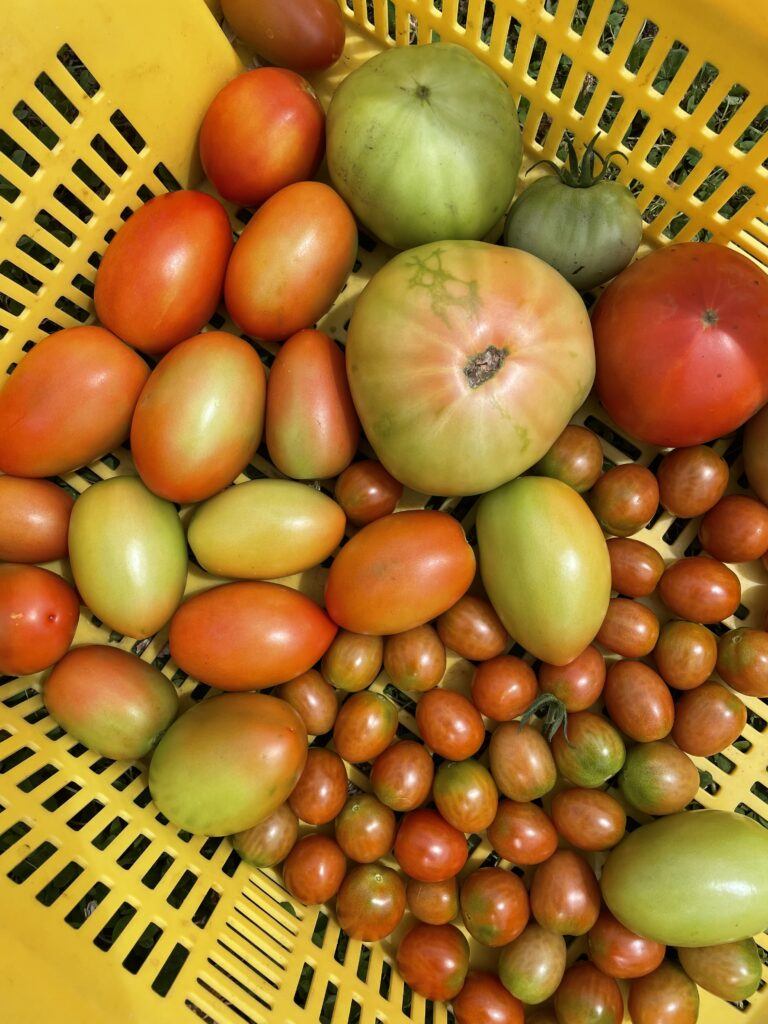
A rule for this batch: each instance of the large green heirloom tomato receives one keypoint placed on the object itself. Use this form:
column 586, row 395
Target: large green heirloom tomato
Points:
column 545, row 566
column 423, row 142
column 698, row 878
column 466, row 361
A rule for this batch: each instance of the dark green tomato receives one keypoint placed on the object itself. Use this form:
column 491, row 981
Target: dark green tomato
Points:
column 587, row 996
column 494, row 905
column 742, row 660
column 434, row 959
column 592, row 753
column 269, row 842
column 371, row 902
column 532, row 966
column 665, row 996
column 658, row 778
column 731, row 971
column 465, row 794
column 576, row 458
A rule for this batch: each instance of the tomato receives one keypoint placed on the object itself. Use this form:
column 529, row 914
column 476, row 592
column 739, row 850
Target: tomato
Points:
column 484, row 1000
column 312, row 429
column 314, row 700
column 199, row 418
column 532, row 966
column 433, row 960
column 494, row 905
column 666, row 996
column 588, row 819
column 691, row 480
column 742, row 660
column 545, row 566
column 433, row 902
column 578, row 683
column 576, row 458
column 685, row 654
column 618, row 952
column 68, row 402
column 161, row 276
column 755, row 457
column 264, row 130
column 371, row 902
column 490, row 329
column 314, row 869
column 365, row 828
column 472, row 629
column 110, row 700
column 658, row 778
column 365, row 726
column 369, row 588
column 268, row 292
column 38, row 618
column 625, row 499
column 735, row 529
column 306, row 35
column 629, row 628
column 401, row 776
column 639, row 702
column 565, row 897
column 34, row 518
column 732, row 970
column 415, row 660
column 708, row 719
column 353, row 660
column 592, row 752
column 691, row 879
column 587, row 995
column 449, row 724
column 428, row 849
column 503, row 687
column 321, row 792
column 227, row 763
column 366, row 491
column 522, row 833
column 266, row 844
column 466, row 795
column 521, row 762
column 265, row 529
column 636, row 567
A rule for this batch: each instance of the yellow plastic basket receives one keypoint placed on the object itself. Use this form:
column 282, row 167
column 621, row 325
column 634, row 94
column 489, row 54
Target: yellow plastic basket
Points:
column 107, row 912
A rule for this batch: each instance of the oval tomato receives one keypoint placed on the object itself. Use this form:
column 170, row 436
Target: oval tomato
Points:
column 618, row 952
column 624, row 499
column 588, row 819
column 578, row 683
column 638, row 701
column 521, row 762
column 428, row 849
column 465, row 795
column 415, row 659
column 161, row 276
column 269, row 842
column 353, row 660
column 365, row 726
column 472, row 629
column 565, row 897
column 401, row 776
column 434, row 960
column 321, row 791
column 742, row 660
column 522, row 833
column 314, row 700
column 636, row 567
column 365, row 828
column 449, row 724
column 503, row 687
column 38, row 618
column 700, row 589
column 314, row 869
column 691, row 480
column 494, row 905
column 685, row 654
column 576, row 458
column 366, row 491
column 756, row 454
column 307, row 35
column 433, row 902
column 34, row 519
column 658, row 778
column 629, row 628
column 592, row 752
column 371, row 902
column 665, row 996
column 532, row 966
column 735, row 529
column 484, row 1000
column 731, row 970
column 585, row 993
column 708, row 719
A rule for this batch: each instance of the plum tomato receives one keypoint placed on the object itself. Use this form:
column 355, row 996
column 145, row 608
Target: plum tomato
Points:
column 591, row 753
column 314, row 700
column 465, row 794
column 306, row 35
column 691, row 480
column 472, row 629
column 586, row 994
column 401, row 776
column 269, row 842
column 532, row 966
column 625, row 499
column 620, row 953
column 577, row 684
column 484, row 1000
column 685, row 654
column 638, row 701
column 588, row 819
column 433, row 960
column 565, row 896
column 658, row 778
column 708, row 719
column 353, row 660
column 34, row 519
column 370, row 902
column 321, row 791
column 365, row 828
column 522, row 833
column 756, row 453
column 742, row 660
column 449, row 724
column 433, row 902
column 38, row 618
column 314, row 869
column 735, row 529
column 503, row 687
column 415, row 660
column 365, row 726
column 700, row 589
column 494, row 905
column 665, row 996
column 576, row 458
column 629, row 628
column 730, row 971
column 366, row 491
column 521, row 762
column 427, row 848
column 636, row 567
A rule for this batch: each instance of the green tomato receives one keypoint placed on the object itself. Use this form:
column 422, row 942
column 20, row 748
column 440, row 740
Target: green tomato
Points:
column 731, row 970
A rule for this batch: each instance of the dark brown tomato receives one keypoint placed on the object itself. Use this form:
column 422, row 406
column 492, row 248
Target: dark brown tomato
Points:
column 565, row 896
column 428, row 849
column 735, row 529
column 624, row 499
column 473, row 629
column 638, row 700
column 371, row 902
column 494, row 905
column 433, row 902
column 665, row 996
column 38, row 618
column 576, row 458
column 433, row 960
column 306, row 35
column 503, row 687
column 691, row 480
column 269, row 842
column 620, row 953
column 742, row 660
column 587, row 995
column 532, row 966
column 484, row 1000
column 522, row 833
column 700, row 589
column 365, row 726
column 321, row 791
column 366, row 491
column 685, row 654
column 415, row 660
column 577, row 684
column 588, row 819
column 314, row 869
column 365, row 828
column 521, row 762
column 629, row 628
column 449, row 724
column 402, row 775
column 353, row 660
column 658, row 778
column 34, row 519
column 708, row 719
column 592, row 752
column 636, row 567
column 314, row 700
column 465, row 794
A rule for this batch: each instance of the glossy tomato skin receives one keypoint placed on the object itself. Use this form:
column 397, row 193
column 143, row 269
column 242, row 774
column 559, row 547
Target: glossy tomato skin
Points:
column 522, row 833
column 705, row 371
column 658, row 778
column 503, row 687
column 428, row 849
column 592, row 753
column 629, row 628
column 161, row 276
column 371, row 902
column 246, row 636
column 565, row 897
column 578, row 683
column 700, row 589
column 588, row 819
column 34, row 519
column 449, row 724
column 369, row 588
column 264, row 130
column 366, row 491
column 269, row 842
column 484, row 1000
column 38, row 618
column 742, row 660
column 638, row 701
column 199, row 417
column 685, row 654
column 691, row 480
column 365, row 828
column 735, row 529
column 271, row 295
column 314, row 869
column 353, row 660
column 624, row 499
column 532, row 966
column 434, row 960
column 755, row 457
column 312, row 429
column 708, row 719
column 433, row 902
column 585, row 993
column 321, row 792
column 521, row 762
column 306, row 35
column 365, row 726
column 576, row 458
column 472, row 629
column 618, row 952
column 465, row 794
column 68, row 402
column 731, row 970
column 636, row 567
column 415, row 659
column 402, row 775
column 494, row 905
column 314, row 700
column 665, row 996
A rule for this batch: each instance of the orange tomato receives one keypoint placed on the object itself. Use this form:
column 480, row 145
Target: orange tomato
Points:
column 38, row 618
column 34, row 519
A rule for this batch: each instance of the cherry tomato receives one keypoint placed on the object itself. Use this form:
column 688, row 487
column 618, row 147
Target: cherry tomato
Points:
column 415, row 660
column 504, row 687
column 465, row 794
column 685, row 654
column 306, row 35
column 365, row 726
column 365, row 828
column 427, row 848
column 494, row 905
column 691, row 481
column 314, row 869
column 586, row 994
column 371, row 902
column 742, row 660
column 592, row 753
column 38, row 618
column 618, row 952
column 624, row 499
column 577, row 684
column 321, row 791
column 565, row 896
column 665, row 996
column 433, row 960
column 313, row 698
column 731, row 970
column 636, row 567
column 735, row 529
column 472, row 629
column 269, row 842
column 433, row 902
column 700, row 589
column 658, row 778
column 34, row 519
column 588, row 819
column 629, row 628
column 521, row 762
column 484, row 1000
column 532, row 966
column 522, row 833
column 353, row 660
column 402, row 775
column 449, row 724
column 708, row 719
column 366, row 491
column 638, row 700
column 576, row 458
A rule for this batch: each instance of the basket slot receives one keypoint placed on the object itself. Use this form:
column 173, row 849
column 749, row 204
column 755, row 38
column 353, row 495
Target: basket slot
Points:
column 234, row 1001
column 243, row 949
column 140, row 951
column 170, row 970
column 58, row 885
column 58, row 105
column 32, row 862
column 75, row 67
column 115, row 926
column 34, row 124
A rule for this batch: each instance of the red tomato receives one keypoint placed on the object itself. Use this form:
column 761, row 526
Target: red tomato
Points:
column 666, row 996
column 472, row 629
column 306, row 35
column 484, row 1000
column 636, row 567
column 449, row 724
column 371, row 902
column 34, row 519
column 465, row 795
column 365, row 726
column 264, row 130
column 576, row 458
column 504, row 687
column 353, row 660
column 314, row 869
column 703, row 368
column 565, row 896
column 522, row 833
column 38, row 618
column 402, row 775
column 691, row 480
column 592, row 752
column 314, row 700
column 433, row 902
column 245, row 636
column 586, row 994
column 434, row 960
column 366, row 491
column 521, row 762
column 269, row 842
column 269, row 293
column 161, row 277
column 494, row 905
column 742, row 661
column 638, row 700
column 415, row 659
column 428, row 849
column 735, row 529
column 700, row 589
column 685, row 654
column 321, row 792
column 708, row 719
column 624, row 499
column 370, row 584
column 618, row 952
column 588, row 819
column 629, row 628
column 68, row 402
column 577, row 684
column 365, row 828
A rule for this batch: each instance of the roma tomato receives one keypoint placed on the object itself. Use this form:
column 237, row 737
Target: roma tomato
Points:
column 34, row 519
column 484, row 1000
column 161, row 276
column 522, row 833
column 472, row 629
column 434, row 960
column 68, row 402
column 503, row 687
column 700, row 589
column 415, row 659
column 494, row 905
column 264, row 130
column 618, row 952
column 314, row 869
column 578, row 683
column 735, row 529
column 199, row 418
column 245, row 636
column 371, row 902
column 306, row 35
column 592, row 752
column 353, row 660
column 586, row 994
column 521, row 762
column 576, row 458
column 449, row 724
column 314, row 700
column 685, row 654
column 636, row 567
column 756, row 454
column 565, row 897
column 428, row 849
column 665, row 996
column 369, row 588
column 624, row 499
column 708, row 719
column 312, row 429
column 269, row 842
column 532, row 966
column 366, row 491
column 629, row 628
column 402, row 775
column 365, row 726
column 466, row 795
column 321, row 792
column 732, row 970
column 269, row 293
column 638, row 700
column 742, row 660
column 365, row 828
column 658, row 778
column 691, row 480
column 433, row 902
column 38, row 618
column 588, row 819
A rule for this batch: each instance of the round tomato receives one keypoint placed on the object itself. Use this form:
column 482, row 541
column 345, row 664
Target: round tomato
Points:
column 565, row 897
column 353, row 660
column 522, row 833
column 365, row 828
column 638, row 701
column 756, row 454
column 618, row 952
column 532, row 966
column 504, row 687
column 449, row 724
column 314, row 700
column 742, row 660
column 629, row 628
column 624, row 499
column 365, row 726
column 731, row 970
column 306, row 35
column 708, row 719
column 402, row 775
column 636, row 567
column 658, row 778
column 591, row 752
column 415, row 659
column 685, row 654
column 466, row 795
column 665, row 996
column 578, row 683
column 366, row 491
column 269, row 842
column 428, row 849
column 314, row 869
column 472, row 629
column 38, row 618
column 700, row 589
column 735, row 529
column 588, row 819
column 484, row 1000
column 34, row 519
column 433, row 960
column 586, row 994
column 521, row 762
column 691, row 480
column 433, row 902
column 494, row 905
column 576, row 458
column 321, row 792
column 371, row 902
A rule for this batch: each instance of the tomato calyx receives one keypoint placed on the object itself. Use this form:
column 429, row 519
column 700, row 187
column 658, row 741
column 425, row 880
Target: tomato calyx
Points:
column 581, row 174
column 555, row 715
column 485, row 365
